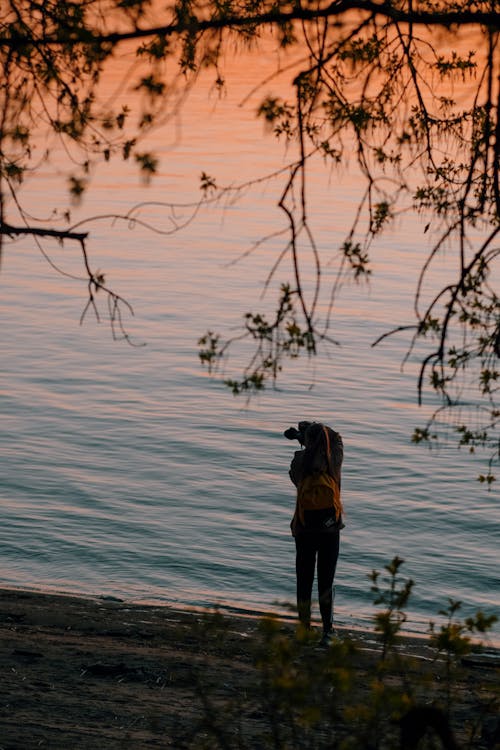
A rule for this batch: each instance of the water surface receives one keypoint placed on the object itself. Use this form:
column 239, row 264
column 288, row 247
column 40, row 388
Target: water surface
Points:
column 128, row 471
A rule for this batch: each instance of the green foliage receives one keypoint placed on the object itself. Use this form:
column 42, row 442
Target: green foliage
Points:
column 350, row 696
column 148, row 165
column 278, row 116
column 360, row 50
column 77, row 187
column 152, row 85
column 209, row 350
column 302, row 702
column 453, row 639
column 421, row 435
column 357, row 258
column 394, row 88
column 389, row 621
column 381, row 216
column 456, row 63
column 486, row 478
column 51, row 57
column 208, row 185
column 13, row 172
column 276, row 339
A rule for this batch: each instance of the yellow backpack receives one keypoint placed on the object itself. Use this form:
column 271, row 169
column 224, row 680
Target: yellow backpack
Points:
column 318, row 492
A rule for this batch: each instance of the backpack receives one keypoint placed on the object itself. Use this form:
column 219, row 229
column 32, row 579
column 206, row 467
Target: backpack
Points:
column 318, row 492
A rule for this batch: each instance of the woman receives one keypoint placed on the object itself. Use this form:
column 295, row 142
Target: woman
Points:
column 317, row 521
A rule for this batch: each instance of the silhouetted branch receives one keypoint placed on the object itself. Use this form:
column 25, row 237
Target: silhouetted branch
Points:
column 60, row 234
column 194, row 25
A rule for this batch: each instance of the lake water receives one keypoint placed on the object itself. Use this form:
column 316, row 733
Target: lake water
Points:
column 128, row 471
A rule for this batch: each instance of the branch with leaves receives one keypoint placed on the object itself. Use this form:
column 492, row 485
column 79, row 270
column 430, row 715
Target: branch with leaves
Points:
column 391, row 83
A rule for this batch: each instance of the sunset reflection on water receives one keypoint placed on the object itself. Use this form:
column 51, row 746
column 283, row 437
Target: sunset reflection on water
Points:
column 128, row 471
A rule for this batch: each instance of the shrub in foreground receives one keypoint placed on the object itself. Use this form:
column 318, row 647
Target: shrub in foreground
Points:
column 353, row 697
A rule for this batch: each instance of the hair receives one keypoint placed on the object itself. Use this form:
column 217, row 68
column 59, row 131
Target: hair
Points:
column 317, row 454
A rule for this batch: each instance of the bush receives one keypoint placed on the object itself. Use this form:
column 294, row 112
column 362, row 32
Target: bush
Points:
column 355, row 696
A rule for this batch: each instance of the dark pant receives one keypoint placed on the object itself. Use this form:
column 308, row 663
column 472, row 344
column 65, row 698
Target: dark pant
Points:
column 323, row 546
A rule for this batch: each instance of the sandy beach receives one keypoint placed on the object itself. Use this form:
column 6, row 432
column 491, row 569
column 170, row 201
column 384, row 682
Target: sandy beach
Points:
column 91, row 673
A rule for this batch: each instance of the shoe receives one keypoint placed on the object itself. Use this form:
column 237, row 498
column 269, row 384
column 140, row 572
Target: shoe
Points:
column 327, row 639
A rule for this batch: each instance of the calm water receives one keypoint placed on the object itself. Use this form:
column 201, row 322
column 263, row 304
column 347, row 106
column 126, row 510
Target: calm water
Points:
column 127, row 471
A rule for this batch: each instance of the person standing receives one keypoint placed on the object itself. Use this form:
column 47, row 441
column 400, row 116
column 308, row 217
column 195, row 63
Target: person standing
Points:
column 317, row 521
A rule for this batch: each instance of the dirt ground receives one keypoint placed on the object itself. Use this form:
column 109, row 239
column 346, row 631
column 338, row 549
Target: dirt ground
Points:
column 104, row 674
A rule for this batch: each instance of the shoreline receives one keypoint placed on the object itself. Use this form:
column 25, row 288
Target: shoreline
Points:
column 87, row 673
column 231, row 612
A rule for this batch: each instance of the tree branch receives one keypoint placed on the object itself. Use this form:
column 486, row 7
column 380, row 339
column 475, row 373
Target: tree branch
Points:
column 193, row 25
column 61, row 234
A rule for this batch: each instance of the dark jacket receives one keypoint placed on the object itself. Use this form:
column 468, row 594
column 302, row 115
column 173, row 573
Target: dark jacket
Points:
column 320, row 520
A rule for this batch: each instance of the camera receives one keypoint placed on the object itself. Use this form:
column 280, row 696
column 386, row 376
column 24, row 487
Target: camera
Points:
column 293, row 434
